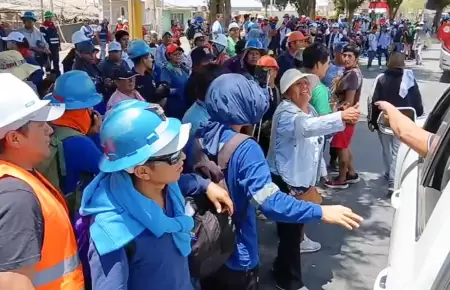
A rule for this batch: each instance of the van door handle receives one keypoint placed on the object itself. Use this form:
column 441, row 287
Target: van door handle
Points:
column 395, row 199
column 380, row 282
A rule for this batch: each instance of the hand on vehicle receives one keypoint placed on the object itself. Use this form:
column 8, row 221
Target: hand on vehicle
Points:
column 351, row 114
column 96, row 123
column 220, row 198
column 340, row 215
column 384, row 106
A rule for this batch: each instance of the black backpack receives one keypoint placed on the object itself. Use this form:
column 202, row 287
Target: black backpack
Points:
column 190, row 33
column 213, row 236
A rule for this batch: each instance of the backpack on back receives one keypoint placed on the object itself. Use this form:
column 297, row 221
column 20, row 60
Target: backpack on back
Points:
column 213, row 236
column 54, row 167
column 190, row 33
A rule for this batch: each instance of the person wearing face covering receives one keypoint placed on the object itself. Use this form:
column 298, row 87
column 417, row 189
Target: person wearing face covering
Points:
column 246, row 65
column 233, row 101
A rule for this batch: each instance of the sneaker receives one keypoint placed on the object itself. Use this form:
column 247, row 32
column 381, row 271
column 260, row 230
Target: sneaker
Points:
column 309, row 246
column 353, row 179
column 334, row 166
column 386, row 176
column 336, row 184
column 370, row 69
column 381, row 67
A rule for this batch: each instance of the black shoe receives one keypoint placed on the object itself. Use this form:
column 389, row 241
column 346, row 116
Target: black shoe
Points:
column 290, row 285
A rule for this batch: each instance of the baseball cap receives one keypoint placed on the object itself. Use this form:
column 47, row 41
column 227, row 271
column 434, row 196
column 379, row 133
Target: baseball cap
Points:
column 201, row 54
column 14, row 36
column 296, row 36
column 85, row 47
column 122, row 73
column 167, row 33
column 198, row 34
column 11, row 61
column 173, row 48
column 292, row 75
column 114, row 46
column 21, row 104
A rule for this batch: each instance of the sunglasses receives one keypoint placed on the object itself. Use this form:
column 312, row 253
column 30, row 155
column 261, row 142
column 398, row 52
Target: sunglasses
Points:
column 170, row 159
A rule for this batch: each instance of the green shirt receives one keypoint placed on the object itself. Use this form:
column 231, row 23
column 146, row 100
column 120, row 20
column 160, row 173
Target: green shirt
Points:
column 231, row 51
column 320, row 99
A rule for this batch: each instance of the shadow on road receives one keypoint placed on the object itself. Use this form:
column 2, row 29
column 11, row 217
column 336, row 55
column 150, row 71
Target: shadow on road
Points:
column 348, row 260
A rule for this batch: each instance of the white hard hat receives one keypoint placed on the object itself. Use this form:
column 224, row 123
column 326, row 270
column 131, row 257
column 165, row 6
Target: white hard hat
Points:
column 14, row 36
column 125, row 21
column 78, row 36
column 20, row 104
column 220, row 39
column 198, row 34
column 119, row 19
column 292, row 75
column 233, row 25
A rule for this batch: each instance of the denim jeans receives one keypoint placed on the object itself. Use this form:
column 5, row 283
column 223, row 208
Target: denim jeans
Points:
column 371, row 54
column 382, row 52
column 390, row 145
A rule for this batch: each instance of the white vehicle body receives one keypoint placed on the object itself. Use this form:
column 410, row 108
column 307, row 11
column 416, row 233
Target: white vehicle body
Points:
column 419, row 255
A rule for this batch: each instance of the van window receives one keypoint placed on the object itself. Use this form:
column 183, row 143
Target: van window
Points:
column 436, row 174
column 438, row 112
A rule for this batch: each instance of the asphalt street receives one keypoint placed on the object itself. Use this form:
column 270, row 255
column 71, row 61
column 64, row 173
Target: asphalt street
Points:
column 351, row 260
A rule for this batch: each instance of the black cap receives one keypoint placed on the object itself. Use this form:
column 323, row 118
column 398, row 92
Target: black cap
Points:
column 201, row 54
column 122, row 73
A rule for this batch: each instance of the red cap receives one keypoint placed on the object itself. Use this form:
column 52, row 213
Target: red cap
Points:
column 171, row 48
column 268, row 61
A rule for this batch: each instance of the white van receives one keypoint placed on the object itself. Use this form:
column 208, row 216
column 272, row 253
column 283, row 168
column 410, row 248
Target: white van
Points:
column 419, row 255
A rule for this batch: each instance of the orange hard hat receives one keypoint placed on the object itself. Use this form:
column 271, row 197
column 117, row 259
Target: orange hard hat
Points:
column 268, row 61
column 296, row 36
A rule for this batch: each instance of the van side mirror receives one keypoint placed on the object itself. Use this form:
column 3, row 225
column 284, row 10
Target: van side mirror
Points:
column 383, row 120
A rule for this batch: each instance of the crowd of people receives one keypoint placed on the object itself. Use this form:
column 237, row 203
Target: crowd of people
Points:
column 107, row 169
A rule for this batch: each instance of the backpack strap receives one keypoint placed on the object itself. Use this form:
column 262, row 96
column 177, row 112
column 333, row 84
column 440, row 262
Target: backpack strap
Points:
column 62, row 133
column 228, row 149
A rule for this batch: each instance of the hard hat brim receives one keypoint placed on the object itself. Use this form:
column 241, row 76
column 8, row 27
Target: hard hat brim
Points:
column 92, row 101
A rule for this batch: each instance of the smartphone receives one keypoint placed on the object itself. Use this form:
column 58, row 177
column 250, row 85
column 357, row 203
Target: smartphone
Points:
column 262, row 76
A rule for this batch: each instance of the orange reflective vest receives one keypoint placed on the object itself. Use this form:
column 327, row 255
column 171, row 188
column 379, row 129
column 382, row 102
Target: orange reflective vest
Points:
column 59, row 268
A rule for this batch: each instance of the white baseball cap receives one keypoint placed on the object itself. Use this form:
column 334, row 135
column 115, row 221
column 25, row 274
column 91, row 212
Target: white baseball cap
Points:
column 114, row 46
column 292, row 75
column 14, row 36
column 20, row 104
column 78, row 36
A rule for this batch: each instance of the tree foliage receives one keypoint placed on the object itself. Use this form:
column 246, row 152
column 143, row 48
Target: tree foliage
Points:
column 348, row 6
column 394, row 5
column 278, row 4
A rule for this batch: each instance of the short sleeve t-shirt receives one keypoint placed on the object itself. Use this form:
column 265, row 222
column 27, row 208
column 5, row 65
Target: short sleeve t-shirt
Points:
column 21, row 225
column 351, row 80
column 320, row 99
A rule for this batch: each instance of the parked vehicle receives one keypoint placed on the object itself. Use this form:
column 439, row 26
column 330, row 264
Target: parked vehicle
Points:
column 419, row 255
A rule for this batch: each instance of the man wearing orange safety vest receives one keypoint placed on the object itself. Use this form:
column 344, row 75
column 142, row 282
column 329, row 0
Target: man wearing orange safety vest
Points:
column 38, row 246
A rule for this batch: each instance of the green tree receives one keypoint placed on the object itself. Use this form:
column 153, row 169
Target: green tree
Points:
column 278, row 4
column 394, row 5
column 348, row 6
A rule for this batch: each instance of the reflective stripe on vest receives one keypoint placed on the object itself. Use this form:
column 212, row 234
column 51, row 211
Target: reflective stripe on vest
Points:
column 59, row 270
column 59, row 267
column 54, row 40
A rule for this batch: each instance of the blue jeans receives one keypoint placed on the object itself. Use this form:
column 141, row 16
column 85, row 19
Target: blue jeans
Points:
column 390, row 145
column 371, row 54
column 381, row 52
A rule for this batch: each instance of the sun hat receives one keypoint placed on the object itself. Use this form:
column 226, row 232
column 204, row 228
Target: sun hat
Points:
column 14, row 36
column 20, row 104
column 11, row 61
column 292, row 75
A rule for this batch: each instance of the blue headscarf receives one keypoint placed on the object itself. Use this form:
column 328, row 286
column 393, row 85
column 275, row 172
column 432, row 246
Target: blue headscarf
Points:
column 231, row 99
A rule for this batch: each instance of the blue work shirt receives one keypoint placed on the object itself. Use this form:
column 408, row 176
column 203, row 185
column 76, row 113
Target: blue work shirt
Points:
column 332, row 72
column 82, row 156
column 156, row 263
column 285, row 61
column 250, row 186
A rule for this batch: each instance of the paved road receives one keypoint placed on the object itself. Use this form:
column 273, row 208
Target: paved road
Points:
column 352, row 260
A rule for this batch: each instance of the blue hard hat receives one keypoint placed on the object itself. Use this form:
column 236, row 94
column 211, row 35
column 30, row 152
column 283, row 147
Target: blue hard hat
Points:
column 134, row 131
column 138, row 48
column 254, row 44
column 29, row 15
column 76, row 90
column 199, row 19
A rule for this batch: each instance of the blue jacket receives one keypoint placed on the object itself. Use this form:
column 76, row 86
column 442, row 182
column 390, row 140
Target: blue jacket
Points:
column 177, row 79
column 155, row 263
column 250, row 185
